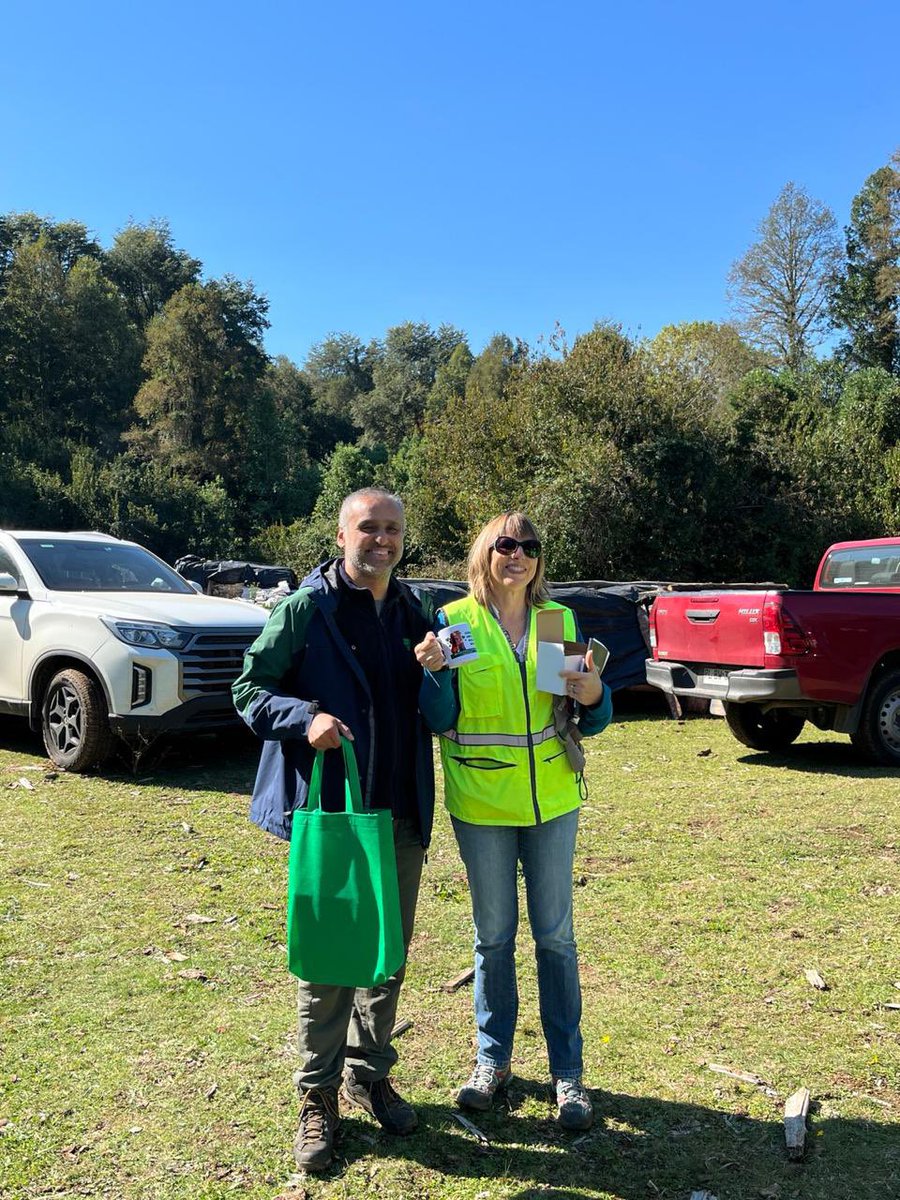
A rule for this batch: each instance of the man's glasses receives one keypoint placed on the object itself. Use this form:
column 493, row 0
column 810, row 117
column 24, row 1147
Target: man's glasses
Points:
column 531, row 547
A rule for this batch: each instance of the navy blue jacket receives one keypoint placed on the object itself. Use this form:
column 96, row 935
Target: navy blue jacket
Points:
column 301, row 665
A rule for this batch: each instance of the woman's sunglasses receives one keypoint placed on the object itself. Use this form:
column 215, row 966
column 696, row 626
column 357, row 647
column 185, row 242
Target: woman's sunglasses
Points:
column 531, row 547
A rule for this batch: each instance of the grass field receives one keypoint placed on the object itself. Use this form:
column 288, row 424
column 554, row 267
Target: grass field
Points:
column 147, row 1017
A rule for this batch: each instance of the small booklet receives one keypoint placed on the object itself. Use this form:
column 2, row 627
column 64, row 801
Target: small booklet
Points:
column 553, row 657
column 457, row 644
column 555, row 654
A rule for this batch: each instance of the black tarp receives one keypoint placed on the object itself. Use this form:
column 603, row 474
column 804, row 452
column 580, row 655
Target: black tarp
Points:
column 614, row 613
column 224, row 571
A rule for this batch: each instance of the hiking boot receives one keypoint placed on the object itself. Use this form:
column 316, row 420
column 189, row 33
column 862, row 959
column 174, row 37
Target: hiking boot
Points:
column 380, row 1099
column 319, row 1118
column 482, row 1086
column 575, row 1110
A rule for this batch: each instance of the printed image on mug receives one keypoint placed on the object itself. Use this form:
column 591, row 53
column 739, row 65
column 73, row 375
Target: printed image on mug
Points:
column 457, row 644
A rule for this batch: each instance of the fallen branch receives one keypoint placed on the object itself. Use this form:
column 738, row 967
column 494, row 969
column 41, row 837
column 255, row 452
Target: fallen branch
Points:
column 744, row 1076
column 473, row 1129
column 453, row 985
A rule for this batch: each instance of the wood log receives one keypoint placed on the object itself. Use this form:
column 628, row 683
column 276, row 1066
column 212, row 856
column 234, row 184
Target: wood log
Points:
column 795, row 1109
column 453, row 985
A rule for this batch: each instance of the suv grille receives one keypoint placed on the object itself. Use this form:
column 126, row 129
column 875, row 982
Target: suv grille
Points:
column 212, row 661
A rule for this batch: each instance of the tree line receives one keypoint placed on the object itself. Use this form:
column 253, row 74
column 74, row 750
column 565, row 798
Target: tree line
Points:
column 137, row 397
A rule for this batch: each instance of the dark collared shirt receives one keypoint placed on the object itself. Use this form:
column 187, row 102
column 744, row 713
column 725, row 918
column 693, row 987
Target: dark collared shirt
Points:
column 383, row 646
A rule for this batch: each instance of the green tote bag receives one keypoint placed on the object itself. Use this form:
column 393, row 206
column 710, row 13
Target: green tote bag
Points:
column 343, row 918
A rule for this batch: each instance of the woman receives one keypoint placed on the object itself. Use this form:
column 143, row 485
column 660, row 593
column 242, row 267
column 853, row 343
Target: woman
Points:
column 513, row 797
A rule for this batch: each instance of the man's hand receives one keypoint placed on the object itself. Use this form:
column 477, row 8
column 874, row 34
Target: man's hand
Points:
column 325, row 732
column 429, row 654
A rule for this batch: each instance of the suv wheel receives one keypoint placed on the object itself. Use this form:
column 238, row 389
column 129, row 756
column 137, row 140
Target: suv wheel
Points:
column 73, row 721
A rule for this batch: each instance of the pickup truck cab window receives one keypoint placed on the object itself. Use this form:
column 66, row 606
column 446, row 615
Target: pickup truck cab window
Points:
column 861, row 567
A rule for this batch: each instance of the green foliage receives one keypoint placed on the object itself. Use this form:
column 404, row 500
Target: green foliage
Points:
column 864, row 437
column 866, row 301
column 402, row 377
column 137, row 397
column 68, row 240
column 33, row 496
column 68, row 356
column 450, row 380
column 303, row 543
column 339, row 370
column 492, row 369
column 147, row 268
column 435, row 540
column 204, row 362
column 699, row 363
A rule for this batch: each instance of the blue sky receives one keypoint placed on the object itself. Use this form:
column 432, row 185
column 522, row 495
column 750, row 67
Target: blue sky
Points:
column 497, row 166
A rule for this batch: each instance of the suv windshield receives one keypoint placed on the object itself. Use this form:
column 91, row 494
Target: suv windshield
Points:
column 69, row 565
column 862, row 567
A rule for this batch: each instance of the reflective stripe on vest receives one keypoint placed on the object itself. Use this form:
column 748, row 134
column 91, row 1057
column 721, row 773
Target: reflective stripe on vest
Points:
column 500, row 739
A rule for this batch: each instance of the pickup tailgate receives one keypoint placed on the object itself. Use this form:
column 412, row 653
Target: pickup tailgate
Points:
column 721, row 627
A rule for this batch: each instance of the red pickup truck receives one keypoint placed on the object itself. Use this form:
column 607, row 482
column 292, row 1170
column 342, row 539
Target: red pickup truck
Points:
column 778, row 658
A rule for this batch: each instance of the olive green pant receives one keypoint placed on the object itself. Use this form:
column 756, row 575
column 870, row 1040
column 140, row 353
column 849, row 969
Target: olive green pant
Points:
column 350, row 1028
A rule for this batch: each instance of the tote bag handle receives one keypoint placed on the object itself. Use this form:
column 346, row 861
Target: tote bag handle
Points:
column 352, row 791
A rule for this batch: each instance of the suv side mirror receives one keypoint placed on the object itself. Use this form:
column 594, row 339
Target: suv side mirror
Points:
column 198, row 588
column 8, row 583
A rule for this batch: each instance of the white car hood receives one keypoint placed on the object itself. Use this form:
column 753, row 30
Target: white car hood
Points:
column 171, row 609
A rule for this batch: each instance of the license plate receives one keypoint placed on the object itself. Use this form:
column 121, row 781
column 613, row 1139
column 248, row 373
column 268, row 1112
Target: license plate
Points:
column 712, row 675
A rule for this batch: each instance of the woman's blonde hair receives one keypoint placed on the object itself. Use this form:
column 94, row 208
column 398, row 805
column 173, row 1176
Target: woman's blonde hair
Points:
column 518, row 526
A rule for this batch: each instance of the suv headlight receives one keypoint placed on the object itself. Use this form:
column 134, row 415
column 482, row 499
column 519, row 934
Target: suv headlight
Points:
column 147, row 633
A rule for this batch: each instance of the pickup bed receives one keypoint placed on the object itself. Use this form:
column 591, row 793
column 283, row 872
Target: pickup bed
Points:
column 102, row 643
column 778, row 658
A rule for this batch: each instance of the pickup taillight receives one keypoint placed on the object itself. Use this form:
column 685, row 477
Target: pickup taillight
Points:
column 653, row 626
column 782, row 636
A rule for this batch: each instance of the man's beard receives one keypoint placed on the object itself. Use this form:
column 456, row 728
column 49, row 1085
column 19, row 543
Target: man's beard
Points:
column 364, row 567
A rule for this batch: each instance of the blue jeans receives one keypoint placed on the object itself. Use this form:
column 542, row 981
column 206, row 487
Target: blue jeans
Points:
column 491, row 854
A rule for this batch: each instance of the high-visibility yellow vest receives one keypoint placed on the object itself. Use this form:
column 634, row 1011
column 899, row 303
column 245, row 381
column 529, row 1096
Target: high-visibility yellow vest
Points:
column 503, row 763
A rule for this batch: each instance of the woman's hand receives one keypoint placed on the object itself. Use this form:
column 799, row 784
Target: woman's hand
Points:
column 429, row 654
column 584, row 686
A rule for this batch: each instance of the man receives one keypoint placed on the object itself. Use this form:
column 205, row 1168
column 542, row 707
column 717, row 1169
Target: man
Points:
column 336, row 658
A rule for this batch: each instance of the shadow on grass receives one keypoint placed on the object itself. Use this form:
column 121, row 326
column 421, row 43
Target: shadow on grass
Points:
column 835, row 758
column 641, row 1147
column 17, row 737
column 223, row 761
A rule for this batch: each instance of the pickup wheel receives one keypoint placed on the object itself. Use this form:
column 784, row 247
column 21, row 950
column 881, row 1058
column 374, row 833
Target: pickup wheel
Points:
column 878, row 735
column 772, row 730
column 76, row 732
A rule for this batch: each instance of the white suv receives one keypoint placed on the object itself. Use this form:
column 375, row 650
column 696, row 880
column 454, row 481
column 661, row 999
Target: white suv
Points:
column 100, row 638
